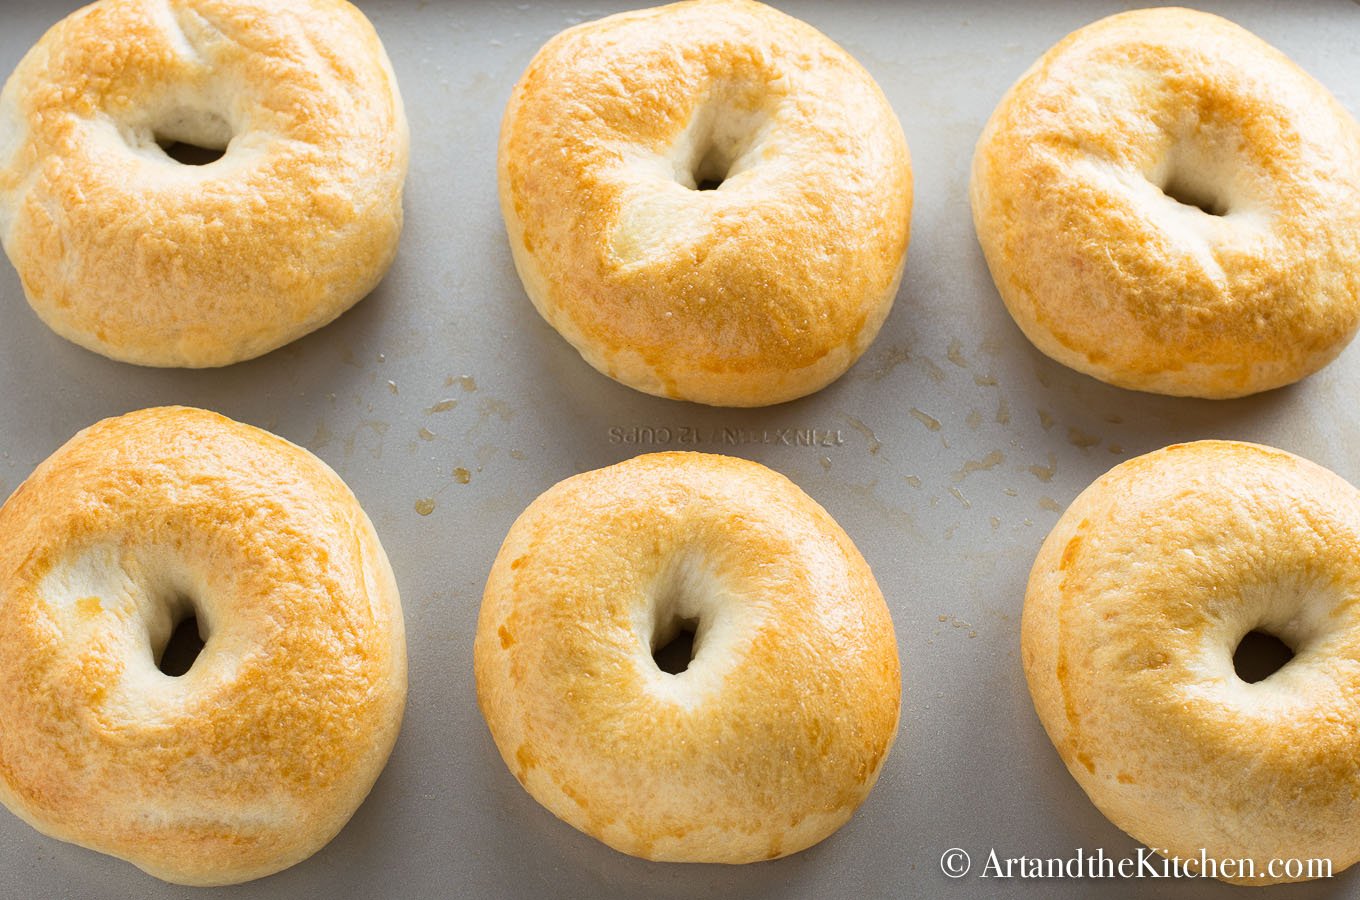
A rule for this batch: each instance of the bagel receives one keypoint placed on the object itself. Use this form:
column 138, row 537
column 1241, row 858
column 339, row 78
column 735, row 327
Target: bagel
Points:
column 258, row 754
column 779, row 725
column 1136, row 603
column 766, row 287
column 1168, row 204
column 130, row 253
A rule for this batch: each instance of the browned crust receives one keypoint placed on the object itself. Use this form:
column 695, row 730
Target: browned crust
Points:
column 147, row 261
column 763, row 291
column 254, row 759
column 1094, row 267
column 792, row 724
column 1135, row 605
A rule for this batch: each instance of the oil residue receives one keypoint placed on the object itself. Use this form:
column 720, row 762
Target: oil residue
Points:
column 874, row 443
column 461, row 475
column 1045, row 473
column 1078, row 438
column 493, row 407
column 956, row 354
column 990, row 461
column 425, row 506
column 890, row 360
column 927, row 420
column 467, row 382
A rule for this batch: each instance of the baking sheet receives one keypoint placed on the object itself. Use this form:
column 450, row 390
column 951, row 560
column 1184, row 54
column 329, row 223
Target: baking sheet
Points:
column 953, row 445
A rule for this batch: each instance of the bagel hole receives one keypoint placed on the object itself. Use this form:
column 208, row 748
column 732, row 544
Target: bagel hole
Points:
column 191, row 136
column 724, row 135
column 711, row 170
column 1186, row 193
column 677, row 652
column 191, row 154
column 1259, row 655
column 183, row 647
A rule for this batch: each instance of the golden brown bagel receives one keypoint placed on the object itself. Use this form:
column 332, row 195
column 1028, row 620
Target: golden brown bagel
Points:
column 778, row 728
column 143, row 259
column 1135, row 606
column 256, row 756
column 1169, row 204
column 762, row 290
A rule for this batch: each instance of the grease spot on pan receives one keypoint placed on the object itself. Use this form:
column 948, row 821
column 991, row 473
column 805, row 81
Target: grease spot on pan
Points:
column 925, row 419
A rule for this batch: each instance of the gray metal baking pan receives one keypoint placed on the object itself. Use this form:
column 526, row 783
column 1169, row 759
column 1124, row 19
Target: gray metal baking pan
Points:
column 448, row 405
